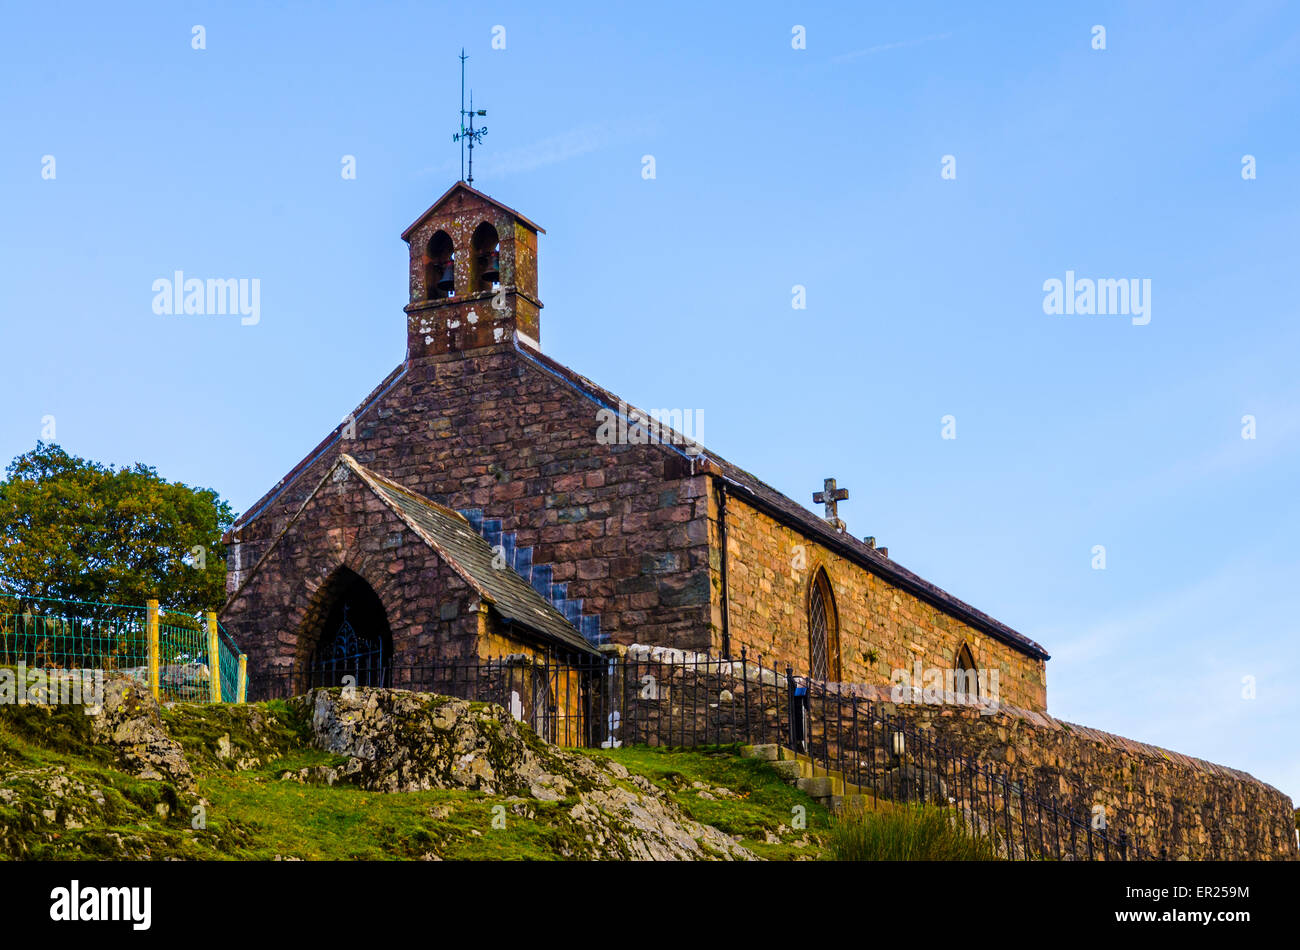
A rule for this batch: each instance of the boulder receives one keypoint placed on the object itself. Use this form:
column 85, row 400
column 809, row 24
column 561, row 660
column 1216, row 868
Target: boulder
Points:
column 399, row 741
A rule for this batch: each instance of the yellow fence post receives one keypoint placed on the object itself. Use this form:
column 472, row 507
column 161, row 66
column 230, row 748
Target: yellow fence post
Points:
column 151, row 626
column 214, row 659
column 243, row 676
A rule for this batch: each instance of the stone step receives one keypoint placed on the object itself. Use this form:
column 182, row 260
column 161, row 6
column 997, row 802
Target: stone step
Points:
column 821, row 786
column 541, row 579
column 524, row 563
column 840, row 803
column 770, row 752
column 789, row 771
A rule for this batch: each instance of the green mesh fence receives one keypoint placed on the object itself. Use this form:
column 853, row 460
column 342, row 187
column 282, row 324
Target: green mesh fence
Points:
column 230, row 668
column 42, row 634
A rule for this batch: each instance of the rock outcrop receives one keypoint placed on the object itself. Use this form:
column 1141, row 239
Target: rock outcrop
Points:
column 398, row 741
column 130, row 725
column 387, row 741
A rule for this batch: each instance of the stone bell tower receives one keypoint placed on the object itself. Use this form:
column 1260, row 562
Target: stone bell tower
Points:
column 473, row 275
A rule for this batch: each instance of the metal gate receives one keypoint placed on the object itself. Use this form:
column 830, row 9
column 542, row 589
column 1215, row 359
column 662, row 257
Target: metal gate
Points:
column 349, row 654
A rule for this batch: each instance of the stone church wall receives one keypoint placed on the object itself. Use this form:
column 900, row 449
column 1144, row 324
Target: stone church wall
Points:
column 430, row 608
column 494, row 431
column 881, row 628
column 498, row 433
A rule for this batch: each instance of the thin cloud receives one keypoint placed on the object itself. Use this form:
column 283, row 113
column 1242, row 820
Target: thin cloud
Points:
column 1277, row 436
column 552, row 150
column 870, row 50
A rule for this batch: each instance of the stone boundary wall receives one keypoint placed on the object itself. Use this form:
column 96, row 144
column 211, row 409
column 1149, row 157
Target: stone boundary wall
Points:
column 1187, row 807
column 668, row 697
column 1184, row 807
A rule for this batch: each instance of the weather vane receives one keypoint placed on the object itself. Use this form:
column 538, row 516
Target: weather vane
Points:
column 471, row 135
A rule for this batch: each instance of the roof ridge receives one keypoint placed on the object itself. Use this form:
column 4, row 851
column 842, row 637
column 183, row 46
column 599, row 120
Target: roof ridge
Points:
column 370, row 473
column 255, row 509
column 462, row 186
column 778, row 505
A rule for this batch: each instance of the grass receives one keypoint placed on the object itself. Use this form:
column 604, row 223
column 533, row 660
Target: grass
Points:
column 289, row 819
column 241, row 754
column 249, row 763
column 48, row 762
column 762, row 807
column 905, row 833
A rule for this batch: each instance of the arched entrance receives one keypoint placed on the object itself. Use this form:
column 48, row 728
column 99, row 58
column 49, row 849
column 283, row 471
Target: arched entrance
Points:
column 354, row 637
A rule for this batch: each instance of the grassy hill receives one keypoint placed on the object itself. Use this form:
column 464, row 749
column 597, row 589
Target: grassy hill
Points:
column 253, row 784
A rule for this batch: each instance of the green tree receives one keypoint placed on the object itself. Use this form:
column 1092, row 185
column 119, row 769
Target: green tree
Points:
column 74, row 529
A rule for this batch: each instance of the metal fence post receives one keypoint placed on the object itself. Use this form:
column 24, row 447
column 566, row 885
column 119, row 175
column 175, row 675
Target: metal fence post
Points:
column 214, row 659
column 789, row 705
column 744, row 679
column 151, row 628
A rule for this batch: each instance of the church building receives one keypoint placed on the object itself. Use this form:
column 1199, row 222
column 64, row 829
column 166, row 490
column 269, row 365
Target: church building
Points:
column 485, row 500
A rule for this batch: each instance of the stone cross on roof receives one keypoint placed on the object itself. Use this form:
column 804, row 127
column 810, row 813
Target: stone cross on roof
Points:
column 829, row 497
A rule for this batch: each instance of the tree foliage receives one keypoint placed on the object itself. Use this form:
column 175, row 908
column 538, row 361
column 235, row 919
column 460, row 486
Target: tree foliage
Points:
column 74, row 529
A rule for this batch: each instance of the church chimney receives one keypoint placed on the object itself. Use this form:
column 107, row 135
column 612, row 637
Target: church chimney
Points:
column 473, row 277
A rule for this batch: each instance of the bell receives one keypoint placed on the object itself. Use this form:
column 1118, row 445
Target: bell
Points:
column 447, row 282
column 490, row 266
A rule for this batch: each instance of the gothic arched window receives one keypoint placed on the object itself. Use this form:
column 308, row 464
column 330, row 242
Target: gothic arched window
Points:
column 823, row 629
column 440, row 268
column 966, row 679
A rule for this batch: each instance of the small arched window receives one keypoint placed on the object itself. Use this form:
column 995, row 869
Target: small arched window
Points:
column 487, row 257
column 823, row 629
column 966, row 677
column 440, row 268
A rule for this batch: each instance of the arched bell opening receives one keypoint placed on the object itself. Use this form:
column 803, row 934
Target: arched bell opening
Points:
column 440, row 268
column 486, row 246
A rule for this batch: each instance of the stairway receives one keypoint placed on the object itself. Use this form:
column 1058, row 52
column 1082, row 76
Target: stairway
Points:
column 520, row 560
column 827, row 788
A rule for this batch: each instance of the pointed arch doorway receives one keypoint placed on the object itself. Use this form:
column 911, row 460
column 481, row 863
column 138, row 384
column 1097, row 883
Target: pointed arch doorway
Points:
column 354, row 640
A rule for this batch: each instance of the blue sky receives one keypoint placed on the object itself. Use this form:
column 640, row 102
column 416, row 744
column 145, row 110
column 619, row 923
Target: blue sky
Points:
column 774, row 167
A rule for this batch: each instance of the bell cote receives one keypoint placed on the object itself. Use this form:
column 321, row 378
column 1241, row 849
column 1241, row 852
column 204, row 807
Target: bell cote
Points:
column 473, row 275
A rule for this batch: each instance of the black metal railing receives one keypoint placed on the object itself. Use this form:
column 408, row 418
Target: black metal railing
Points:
column 888, row 756
column 672, row 698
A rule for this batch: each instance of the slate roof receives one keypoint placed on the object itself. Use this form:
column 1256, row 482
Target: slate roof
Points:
column 785, row 510
column 469, row 554
column 461, row 186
